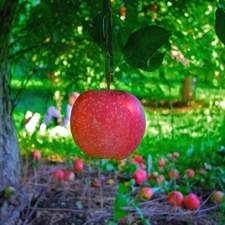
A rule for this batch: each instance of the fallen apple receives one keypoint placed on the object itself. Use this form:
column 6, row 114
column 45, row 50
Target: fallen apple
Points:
column 217, row 197
column 140, row 176
column 191, row 201
column 145, row 193
column 59, row 175
column 175, row 198
column 190, row 173
column 107, row 124
column 69, row 175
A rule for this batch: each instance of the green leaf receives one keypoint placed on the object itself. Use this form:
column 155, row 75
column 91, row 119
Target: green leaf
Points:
column 142, row 45
column 220, row 24
column 122, row 188
column 120, row 201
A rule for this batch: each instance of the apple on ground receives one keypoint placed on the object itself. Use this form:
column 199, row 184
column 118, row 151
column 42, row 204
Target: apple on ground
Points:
column 95, row 182
column 190, row 173
column 145, row 193
column 107, row 123
column 162, row 162
column 140, row 176
column 36, row 155
column 59, row 175
column 176, row 155
column 191, row 201
column 175, row 198
column 173, row 174
column 78, row 164
column 218, row 197
column 69, row 175
column 139, row 159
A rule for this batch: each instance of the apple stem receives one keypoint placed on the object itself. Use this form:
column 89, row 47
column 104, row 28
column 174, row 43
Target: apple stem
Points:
column 106, row 35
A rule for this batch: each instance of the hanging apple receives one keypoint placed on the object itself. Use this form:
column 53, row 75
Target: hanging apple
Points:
column 107, row 123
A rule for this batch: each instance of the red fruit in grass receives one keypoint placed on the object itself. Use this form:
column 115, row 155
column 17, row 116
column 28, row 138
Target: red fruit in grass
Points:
column 175, row 198
column 160, row 180
column 191, row 201
column 162, row 162
column 107, row 124
column 145, row 193
column 190, row 173
column 140, row 176
column 36, row 155
column 139, row 159
column 78, row 164
column 59, row 175
column 173, row 174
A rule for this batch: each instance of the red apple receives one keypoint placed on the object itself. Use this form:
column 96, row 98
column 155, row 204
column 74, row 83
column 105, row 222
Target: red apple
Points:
column 139, row 159
column 142, row 166
column 190, row 173
column 191, row 201
column 59, row 175
column 162, row 162
column 36, row 155
column 173, row 174
column 140, row 176
column 69, row 175
column 78, row 164
column 217, row 197
column 107, row 124
column 145, row 193
column 175, row 198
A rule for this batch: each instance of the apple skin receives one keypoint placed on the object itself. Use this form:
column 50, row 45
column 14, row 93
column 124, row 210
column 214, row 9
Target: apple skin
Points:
column 173, row 174
column 175, row 198
column 36, row 155
column 191, row 201
column 107, row 123
column 217, row 197
column 78, row 164
column 145, row 193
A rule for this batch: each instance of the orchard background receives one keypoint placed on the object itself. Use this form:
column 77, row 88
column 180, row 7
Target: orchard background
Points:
column 53, row 46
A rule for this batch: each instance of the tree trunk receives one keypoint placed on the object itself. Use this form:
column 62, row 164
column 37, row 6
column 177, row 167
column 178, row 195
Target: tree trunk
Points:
column 10, row 159
column 188, row 89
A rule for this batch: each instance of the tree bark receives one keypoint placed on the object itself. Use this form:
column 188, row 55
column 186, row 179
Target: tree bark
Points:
column 10, row 159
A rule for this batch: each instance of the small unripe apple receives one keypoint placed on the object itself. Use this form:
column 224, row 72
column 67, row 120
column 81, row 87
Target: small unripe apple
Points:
column 95, row 182
column 8, row 191
column 175, row 198
column 59, row 175
column 191, row 201
column 69, row 175
column 145, row 193
column 78, row 164
column 36, row 155
column 190, row 173
column 107, row 123
column 142, row 166
column 176, row 154
column 217, row 197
